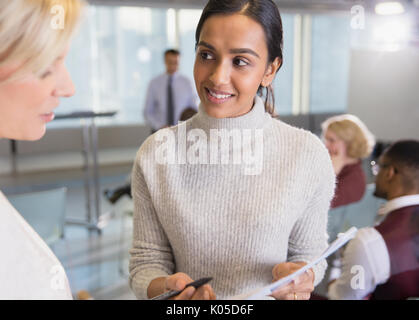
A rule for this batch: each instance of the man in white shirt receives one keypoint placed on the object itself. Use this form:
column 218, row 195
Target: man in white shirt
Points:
column 383, row 262
column 168, row 95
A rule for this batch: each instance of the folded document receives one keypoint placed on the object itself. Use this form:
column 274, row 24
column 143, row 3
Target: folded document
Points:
column 264, row 292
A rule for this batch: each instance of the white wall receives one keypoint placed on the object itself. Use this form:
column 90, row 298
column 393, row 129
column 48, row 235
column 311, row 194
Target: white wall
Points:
column 384, row 92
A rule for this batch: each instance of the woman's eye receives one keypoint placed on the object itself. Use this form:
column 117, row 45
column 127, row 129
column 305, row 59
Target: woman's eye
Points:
column 240, row 62
column 46, row 74
column 206, row 56
column 52, row 68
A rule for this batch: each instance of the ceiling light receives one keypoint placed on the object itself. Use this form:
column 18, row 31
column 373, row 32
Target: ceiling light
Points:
column 387, row 8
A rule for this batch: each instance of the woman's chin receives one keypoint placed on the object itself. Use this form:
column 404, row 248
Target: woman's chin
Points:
column 35, row 134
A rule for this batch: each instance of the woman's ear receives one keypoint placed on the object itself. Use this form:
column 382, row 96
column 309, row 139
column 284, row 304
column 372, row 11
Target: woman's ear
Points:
column 271, row 71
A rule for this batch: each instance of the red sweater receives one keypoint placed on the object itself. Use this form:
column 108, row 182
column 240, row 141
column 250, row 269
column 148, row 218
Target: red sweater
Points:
column 350, row 186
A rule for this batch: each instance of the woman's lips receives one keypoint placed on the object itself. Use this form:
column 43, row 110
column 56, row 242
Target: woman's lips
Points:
column 47, row 117
column 218, row 97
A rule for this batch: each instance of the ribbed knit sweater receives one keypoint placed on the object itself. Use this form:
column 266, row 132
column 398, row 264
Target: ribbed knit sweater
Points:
column 221, row 219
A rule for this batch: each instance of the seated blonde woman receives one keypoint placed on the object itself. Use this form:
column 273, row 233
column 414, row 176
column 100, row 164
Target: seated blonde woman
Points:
column 34, row 40
column 348, row 141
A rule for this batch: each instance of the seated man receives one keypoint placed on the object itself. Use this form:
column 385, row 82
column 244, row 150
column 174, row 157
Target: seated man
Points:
column 382, row 262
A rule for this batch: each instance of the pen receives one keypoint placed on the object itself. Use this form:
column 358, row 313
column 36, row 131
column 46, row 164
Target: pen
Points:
column 196, row 284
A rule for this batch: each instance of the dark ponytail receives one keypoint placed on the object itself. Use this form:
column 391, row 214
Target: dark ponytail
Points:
column 266, row 13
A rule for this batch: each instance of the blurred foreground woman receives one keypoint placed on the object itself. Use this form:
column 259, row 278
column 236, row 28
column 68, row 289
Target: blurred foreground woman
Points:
column 34, row 40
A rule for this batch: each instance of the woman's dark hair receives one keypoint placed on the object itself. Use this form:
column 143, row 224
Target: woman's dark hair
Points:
column 266, row 13
column 187, row 114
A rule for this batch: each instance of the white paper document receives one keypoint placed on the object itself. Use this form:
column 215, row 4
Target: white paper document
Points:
column 264, row 292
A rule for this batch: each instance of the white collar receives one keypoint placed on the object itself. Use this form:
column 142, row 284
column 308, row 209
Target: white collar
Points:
column 256, row 118
column 398, row 203
column 174, row 75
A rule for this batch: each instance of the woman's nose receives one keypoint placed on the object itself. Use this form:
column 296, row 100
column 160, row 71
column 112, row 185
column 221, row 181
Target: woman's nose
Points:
column 65, row 86
column 221, row 74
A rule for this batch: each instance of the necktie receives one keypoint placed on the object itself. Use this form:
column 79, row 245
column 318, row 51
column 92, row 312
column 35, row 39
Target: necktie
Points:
column 170, row 104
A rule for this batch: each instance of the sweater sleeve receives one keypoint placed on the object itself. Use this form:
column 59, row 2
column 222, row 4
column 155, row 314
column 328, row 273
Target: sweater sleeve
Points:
column 309, row 237
column 151, row 254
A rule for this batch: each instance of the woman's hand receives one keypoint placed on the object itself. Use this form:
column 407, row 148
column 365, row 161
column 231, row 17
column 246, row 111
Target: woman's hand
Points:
column 300, row 288
column 179, row 280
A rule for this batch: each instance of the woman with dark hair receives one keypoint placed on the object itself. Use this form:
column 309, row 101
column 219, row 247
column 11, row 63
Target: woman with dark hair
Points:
column 257, row 214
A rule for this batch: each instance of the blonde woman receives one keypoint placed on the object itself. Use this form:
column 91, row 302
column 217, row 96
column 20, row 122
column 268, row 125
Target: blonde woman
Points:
column 34, row 40
column 348, row 141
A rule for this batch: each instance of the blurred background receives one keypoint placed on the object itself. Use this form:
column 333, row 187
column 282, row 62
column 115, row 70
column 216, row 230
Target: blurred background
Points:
column 340, row 56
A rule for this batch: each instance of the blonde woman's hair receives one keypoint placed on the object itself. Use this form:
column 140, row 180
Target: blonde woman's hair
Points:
column 34, row 33
column 358, row 139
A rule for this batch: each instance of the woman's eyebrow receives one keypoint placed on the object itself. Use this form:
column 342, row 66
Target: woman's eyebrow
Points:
column 238, row 50
column 245, row 50
column 205, row 44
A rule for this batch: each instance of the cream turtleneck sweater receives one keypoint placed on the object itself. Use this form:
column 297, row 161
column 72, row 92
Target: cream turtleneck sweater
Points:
column 230, row 219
